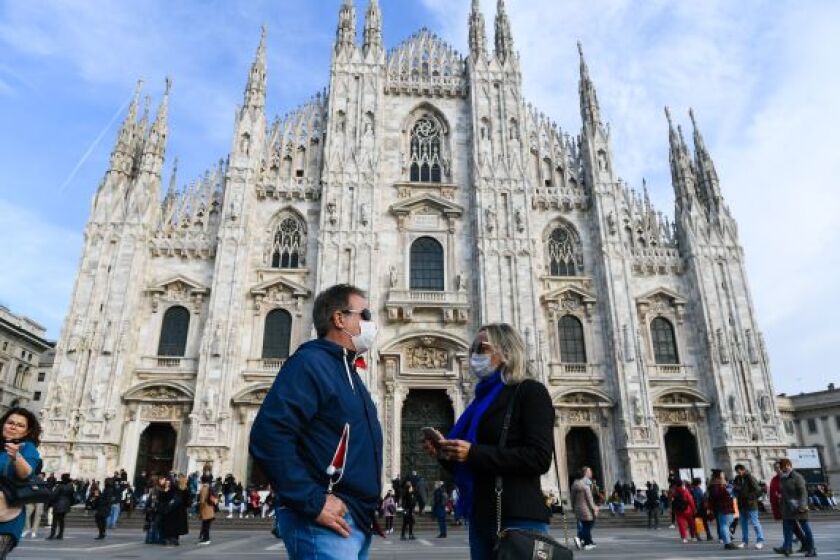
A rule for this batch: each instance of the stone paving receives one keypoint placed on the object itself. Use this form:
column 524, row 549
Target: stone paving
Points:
column 613, row 542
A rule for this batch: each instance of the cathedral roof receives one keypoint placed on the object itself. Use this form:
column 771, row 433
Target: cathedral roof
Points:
column 425, row 63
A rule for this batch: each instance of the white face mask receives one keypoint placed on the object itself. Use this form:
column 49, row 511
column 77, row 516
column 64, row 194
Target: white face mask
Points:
column 367, row 335
column 480, row 365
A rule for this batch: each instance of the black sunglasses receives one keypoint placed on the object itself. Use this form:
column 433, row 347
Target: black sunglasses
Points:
column 481, row 347
column 365, row 313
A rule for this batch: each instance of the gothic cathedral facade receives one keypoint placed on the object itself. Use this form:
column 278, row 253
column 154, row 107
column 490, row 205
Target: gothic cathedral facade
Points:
column 425, row 178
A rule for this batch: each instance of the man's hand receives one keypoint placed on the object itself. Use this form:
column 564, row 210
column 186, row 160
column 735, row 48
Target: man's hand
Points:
column 455, row 449
column 332, row 516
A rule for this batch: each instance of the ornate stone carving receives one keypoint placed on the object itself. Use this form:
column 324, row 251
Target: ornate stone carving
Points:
column 425, row 357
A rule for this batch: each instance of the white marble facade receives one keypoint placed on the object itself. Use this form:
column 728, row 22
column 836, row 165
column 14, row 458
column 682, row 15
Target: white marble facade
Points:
column 419, row 142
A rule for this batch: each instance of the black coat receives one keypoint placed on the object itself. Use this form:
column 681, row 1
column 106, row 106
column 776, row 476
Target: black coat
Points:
column 174, row 520
column 102, row 503
column 526, row 456
column 63, row 496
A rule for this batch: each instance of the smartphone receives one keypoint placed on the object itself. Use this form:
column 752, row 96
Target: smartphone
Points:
column 432, row 435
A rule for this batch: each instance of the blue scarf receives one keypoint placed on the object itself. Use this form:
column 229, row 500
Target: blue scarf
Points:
column 466, row 428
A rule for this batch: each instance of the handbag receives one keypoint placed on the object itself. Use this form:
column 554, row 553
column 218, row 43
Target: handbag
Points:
column 21, row 492
column 523, row 544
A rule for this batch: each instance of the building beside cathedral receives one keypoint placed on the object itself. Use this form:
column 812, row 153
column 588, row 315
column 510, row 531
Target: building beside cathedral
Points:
column 423, row 176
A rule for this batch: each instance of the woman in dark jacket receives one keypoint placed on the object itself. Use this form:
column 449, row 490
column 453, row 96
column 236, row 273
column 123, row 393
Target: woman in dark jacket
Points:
column 409, row 502
column 63, row 496
column 472, row 451
column 176, row 501
column 102, row 506
column 153, row 509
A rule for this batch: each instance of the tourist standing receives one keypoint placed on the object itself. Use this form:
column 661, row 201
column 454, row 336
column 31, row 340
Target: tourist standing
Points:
column 720, row 502
column 794, row 510
column 323, row 475
column 585, row 509
column 153, row 511
column 175, row 521
column 102, row 507
column 652, row 505
column 19, row 458
column 33, row 516
column 473, row 452
column 747, row 490
column 207, row 501
column 389, row 509
column 439, row 508
column 409, row 502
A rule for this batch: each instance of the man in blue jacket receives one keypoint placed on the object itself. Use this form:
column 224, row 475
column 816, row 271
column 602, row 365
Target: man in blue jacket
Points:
column 318, row 439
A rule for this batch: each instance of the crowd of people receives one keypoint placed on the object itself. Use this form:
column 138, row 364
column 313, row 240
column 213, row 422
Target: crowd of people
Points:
column 724, row 500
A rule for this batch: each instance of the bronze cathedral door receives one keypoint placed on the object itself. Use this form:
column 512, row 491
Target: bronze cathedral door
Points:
column 424, row 407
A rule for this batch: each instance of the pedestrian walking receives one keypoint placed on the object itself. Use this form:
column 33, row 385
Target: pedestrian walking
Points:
column 33, row 516
column 720, row 502
column 116, row 500
column 682, row 504
column 61, row 502
column 484, row 469
column 794, row 510
column 652, row 505
column 701, row 517
column 301, row 435
column 19, row 458
column 389, row 509
column 748, row 491
column 207, row 502
column 439, row 500
column 585, row 509
column 409, row 503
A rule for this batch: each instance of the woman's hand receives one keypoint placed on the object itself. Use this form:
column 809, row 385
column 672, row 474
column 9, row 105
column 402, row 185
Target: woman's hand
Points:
column 455, row 449
column 12, row 450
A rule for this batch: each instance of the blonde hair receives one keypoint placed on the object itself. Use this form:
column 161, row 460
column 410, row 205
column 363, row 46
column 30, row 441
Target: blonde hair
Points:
column 506, row 342
column 182, row 482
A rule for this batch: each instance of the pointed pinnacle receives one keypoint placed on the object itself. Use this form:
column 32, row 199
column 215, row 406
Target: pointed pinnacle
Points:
column 168, row 81
column 668, row 116
column 691, row 115
column 475, row 6
column 500, row 6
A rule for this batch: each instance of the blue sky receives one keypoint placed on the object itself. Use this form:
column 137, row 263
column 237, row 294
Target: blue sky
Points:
column 761, row 76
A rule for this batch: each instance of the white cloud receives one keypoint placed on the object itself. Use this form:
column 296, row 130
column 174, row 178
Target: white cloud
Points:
column 39, row 262
column 758, row 75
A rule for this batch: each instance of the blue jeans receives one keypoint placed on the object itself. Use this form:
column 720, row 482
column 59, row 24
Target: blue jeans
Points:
column 787, row 531
column 750, row 517
column 441, row 519
column 115, row 514
column 585, row 531
column 483, row 537
column 724, row 521
column 305, row 540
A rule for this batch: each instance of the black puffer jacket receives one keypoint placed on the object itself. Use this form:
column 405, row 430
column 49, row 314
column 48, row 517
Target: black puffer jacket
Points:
column 63, row 496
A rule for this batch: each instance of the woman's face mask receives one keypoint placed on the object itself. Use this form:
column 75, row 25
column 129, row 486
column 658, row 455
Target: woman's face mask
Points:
column 481, row 365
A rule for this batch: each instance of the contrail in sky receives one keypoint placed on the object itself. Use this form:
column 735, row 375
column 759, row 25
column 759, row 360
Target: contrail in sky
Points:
column 95, row 143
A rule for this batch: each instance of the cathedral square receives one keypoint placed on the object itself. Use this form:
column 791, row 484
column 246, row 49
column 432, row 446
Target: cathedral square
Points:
column 423, row 176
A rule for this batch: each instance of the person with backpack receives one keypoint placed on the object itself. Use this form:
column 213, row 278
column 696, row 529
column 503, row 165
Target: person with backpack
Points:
column 683, row 507
column 700, row 517
column 748, row 491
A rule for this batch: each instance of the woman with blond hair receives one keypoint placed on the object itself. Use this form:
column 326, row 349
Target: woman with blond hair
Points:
column 473, row 450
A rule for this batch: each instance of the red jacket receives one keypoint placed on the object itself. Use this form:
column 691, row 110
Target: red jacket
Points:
column 775, row 495
column 687, row 498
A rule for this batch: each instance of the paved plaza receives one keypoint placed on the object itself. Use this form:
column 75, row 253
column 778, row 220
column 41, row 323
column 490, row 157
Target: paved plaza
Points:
column 243, row 544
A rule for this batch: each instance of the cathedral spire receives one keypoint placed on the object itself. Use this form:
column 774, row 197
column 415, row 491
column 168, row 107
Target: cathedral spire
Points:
column 705, row 166
column 373, row 28
column 121, row 155
column 682, row 174
column 590, row 112
column 345, row 36
column 255, row 89
column 478, row 33
column 155, row 146
column 173, row 181
column 504, row 38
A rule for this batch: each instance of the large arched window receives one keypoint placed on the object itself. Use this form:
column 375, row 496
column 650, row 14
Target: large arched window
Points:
column 425, row 151
column 561, row 252
column 289, row 247
column 278, row 331
column 664, row 341
column 426, row 265
column 173, row 333
column 572, row 346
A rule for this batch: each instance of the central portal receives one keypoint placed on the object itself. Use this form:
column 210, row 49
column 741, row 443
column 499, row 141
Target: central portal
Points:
column 156, row 453
column 424, row 407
